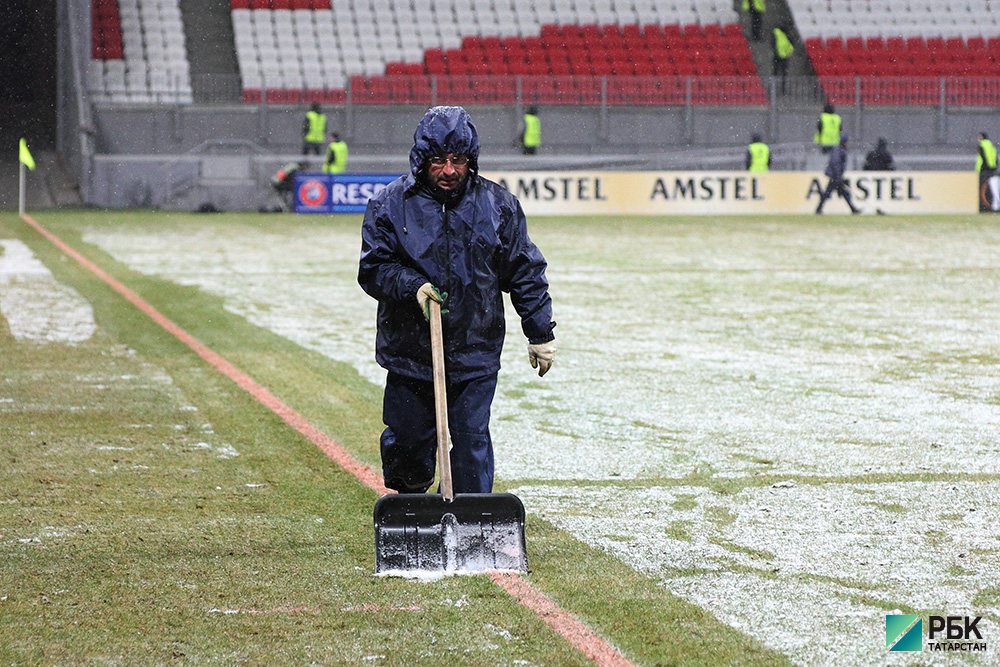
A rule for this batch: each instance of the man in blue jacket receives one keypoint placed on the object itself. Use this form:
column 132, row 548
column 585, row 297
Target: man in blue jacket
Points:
column 445, row 233
column 835, row 170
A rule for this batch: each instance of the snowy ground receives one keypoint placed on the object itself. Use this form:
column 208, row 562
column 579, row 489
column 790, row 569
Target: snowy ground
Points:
column 793, row 426
column 36, row 307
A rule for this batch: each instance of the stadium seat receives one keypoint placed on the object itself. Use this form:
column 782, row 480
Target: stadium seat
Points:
column 598, row 38
column 921, row 39
column 147, row 37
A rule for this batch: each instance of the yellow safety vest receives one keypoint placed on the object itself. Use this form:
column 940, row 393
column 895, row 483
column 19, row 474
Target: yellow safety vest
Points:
column 782, row 44
column 991, row 155
column 759, row 154
column 829, row 134
column 758, row 5
column 336, row 158
column 532, row 130
column 317, row 127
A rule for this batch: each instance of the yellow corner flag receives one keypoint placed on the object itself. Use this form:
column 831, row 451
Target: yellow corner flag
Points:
column 26, row 158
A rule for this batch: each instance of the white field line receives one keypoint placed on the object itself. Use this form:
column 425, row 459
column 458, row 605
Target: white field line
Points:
column 782, row 351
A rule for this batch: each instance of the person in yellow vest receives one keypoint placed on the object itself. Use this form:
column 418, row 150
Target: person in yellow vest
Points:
column 758, row 154
column 756, row 10
column 531, row 136
column 336, row 155
column 989, row 182
column 313, row 131
column 828, row 129
column 781, row 50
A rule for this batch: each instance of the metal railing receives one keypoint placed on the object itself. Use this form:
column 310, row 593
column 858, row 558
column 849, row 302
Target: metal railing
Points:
column 609, row 91
column 912, row 91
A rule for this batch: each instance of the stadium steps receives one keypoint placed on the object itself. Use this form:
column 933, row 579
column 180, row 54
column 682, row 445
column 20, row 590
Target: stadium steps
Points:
column 208, row 29
column 800, row 66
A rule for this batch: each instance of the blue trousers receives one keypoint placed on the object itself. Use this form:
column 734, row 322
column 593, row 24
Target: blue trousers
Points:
column 409, row 441
column 838, row 185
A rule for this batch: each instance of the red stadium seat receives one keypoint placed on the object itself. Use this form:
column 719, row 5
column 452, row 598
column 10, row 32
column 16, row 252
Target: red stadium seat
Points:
column 692, row 31
column 652, row 31
column 713, row 31
column 481, row 69
column 611, row 30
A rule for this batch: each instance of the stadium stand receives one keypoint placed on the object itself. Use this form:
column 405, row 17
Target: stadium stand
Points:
column 306, row 50
column 667, row 52
column 138, row 52
column 913, row 52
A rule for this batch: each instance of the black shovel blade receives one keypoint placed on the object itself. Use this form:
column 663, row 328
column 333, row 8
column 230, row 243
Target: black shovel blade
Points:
column 475, row 532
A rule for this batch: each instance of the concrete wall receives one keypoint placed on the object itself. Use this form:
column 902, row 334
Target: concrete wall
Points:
column 587, row 130
column 163, row 155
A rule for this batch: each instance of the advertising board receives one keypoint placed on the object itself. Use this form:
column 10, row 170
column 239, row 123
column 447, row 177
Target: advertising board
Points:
column 676, row 192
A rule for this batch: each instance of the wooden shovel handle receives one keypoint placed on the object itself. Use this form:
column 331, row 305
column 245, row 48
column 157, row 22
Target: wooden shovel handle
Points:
column 440, row 401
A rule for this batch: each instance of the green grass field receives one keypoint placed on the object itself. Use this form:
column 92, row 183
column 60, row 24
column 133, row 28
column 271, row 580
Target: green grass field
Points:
column 759, row 437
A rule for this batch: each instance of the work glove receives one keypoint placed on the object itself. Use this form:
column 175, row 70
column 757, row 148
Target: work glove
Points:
column 541, row 356
column 428, row 291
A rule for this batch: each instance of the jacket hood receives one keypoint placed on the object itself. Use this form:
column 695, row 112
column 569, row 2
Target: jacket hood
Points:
column 444, row 130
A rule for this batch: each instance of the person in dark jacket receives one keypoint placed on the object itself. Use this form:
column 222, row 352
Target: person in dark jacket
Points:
column 879, row 158
column 835, row 170
column 283, row 183
column 444, row 232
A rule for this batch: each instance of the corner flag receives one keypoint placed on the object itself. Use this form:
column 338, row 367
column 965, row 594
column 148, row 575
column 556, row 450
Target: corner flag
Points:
column 25, row 156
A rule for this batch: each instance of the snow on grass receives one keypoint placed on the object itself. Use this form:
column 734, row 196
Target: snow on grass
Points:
column 303, row 288
column 36, row 306
column 792, row 564
column 859, row 360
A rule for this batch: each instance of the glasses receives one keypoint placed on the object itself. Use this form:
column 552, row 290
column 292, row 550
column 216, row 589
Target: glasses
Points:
column 456, row 160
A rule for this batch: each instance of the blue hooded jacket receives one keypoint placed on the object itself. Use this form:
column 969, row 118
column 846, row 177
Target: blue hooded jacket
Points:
column 837, row 163
column 471, row 243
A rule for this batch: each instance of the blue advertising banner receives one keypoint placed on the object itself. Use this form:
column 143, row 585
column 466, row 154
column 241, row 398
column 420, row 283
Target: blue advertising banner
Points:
column 337, row 193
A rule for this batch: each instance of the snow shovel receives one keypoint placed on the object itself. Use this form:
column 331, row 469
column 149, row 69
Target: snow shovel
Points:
column 447, row 532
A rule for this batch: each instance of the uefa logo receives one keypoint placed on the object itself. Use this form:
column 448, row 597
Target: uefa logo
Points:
column 312, row 193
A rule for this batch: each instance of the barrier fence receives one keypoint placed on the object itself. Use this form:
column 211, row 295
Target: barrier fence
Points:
column 577, row 90
column 644, row 91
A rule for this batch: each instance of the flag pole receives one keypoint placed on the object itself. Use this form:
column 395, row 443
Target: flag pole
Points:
column 21, row 190
column 25, row 159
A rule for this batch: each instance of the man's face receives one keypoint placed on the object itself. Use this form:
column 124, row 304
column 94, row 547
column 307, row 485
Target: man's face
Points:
column 448, row 171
